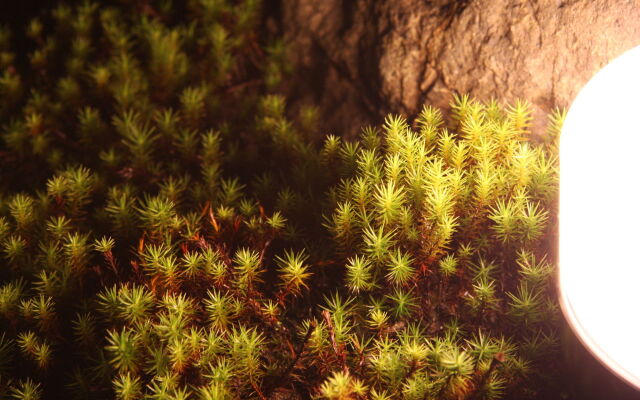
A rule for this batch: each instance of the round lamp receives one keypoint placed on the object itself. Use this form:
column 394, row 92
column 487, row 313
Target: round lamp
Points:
column 599, row 216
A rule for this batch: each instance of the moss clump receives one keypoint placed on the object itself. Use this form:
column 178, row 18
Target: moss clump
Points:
column 167, row 232
column 442, row 237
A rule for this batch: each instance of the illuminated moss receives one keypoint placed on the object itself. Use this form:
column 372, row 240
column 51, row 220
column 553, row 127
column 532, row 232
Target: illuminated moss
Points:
column 169, row 233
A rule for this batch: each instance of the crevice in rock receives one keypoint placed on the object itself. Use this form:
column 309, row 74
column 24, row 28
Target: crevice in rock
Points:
column 384, row 56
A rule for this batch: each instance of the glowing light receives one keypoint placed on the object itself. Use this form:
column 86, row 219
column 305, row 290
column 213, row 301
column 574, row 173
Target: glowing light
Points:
column 600, row 216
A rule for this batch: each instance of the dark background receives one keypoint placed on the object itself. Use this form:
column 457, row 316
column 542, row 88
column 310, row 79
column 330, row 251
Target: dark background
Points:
column 16, row 14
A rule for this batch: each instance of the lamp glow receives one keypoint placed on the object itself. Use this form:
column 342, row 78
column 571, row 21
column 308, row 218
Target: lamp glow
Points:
column 599, row 216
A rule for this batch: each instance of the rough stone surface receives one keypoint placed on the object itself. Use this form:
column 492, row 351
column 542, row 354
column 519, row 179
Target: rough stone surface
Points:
column 361, row 59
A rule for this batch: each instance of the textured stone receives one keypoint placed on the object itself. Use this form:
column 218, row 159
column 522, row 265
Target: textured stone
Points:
column 361, row 59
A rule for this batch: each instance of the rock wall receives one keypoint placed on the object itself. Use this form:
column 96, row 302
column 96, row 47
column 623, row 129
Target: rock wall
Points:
column 361, row 59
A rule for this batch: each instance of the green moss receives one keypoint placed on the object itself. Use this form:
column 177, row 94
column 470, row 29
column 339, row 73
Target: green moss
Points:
column 167, row 232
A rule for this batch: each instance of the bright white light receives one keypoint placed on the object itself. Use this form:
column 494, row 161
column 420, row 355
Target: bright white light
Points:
column 600, row 216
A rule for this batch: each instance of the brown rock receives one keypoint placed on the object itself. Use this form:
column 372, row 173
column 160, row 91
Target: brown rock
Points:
column 361, row 59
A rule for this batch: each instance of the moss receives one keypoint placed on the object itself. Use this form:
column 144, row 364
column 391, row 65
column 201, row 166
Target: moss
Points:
column 168, row 232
